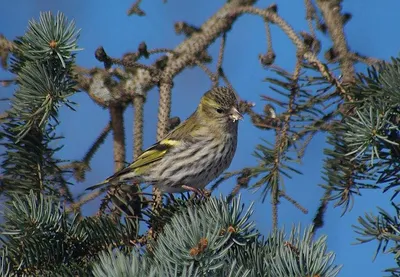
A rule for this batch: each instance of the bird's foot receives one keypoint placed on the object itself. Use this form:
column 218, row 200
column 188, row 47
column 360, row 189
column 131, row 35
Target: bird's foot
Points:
column 202, row 193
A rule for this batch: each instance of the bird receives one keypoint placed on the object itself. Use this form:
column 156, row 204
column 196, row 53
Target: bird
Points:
column 194, row 153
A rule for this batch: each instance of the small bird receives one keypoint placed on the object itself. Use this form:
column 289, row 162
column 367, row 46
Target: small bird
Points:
column 194, row 153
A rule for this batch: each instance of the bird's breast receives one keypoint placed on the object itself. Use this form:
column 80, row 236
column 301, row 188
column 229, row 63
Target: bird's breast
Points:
column 196, row 163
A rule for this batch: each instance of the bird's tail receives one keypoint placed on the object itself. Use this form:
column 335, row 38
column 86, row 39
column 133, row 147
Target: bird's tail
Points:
column 103, row 185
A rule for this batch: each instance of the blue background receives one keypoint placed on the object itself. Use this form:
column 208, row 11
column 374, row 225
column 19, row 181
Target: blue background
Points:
column 105, row 23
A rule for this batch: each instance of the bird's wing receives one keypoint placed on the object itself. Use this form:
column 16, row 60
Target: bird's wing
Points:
column 152, row 154
column 180, row 135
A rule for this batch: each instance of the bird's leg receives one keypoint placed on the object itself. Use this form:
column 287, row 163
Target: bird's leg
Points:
column 194, row 190
column 202, row 193
column 206, row 193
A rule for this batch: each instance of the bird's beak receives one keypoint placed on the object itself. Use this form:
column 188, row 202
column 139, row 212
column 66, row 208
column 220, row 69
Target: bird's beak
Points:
column 235, row 115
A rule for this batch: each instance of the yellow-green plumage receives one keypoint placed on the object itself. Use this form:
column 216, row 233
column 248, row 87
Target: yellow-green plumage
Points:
column 194, row 153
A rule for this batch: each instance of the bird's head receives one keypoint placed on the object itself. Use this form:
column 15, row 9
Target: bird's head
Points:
column 220, row 105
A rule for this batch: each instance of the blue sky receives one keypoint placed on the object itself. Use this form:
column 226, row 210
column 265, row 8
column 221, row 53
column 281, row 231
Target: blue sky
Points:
column 370, row 32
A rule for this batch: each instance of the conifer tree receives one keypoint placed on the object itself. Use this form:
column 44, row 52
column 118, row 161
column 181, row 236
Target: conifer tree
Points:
column 44, row 233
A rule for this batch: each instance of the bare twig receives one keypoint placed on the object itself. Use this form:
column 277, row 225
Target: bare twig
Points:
column 310, row 16
column 268, row 36
column 75, row 207
column 135, row 9
column 117, row 123
column 220, row 60
column 269, row 58
column 79, row 168
column 364, row 59
column 294, row 202
column 95, row 146
column 161, row 50
column 333, row 20
column 242, row 182
column 225, row 79
column 307, row 141
column 206, row 70
column 164, row 110
column 151, row 69
column 138, row 106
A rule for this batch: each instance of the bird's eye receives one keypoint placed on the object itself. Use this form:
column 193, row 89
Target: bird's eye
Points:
column 220, row 110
